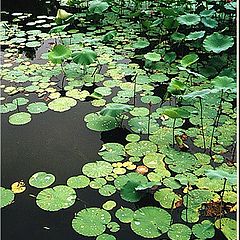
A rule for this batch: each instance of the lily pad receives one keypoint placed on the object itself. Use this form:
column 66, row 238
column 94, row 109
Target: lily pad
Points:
column 204, row 230
column 7, row 197
column 41, row 179
column 124, row 214
column 97, row 169
column 37, row 107
column 107, row 190
column 57, row 198
column 80, row 181
column 105, row 236
column 154, row 57
column 150, row 222
column 20, row 118
column 91, row 222
column 228, row 227
column 189, row 19
column 109, row 205
column 59, row 53
column 179, row 231
column 62, row 104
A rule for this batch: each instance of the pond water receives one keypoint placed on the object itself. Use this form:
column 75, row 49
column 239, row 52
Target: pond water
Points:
column 61, row 144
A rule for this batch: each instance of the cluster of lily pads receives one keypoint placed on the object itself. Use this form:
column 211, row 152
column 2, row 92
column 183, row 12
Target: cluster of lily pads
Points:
column 166, row 73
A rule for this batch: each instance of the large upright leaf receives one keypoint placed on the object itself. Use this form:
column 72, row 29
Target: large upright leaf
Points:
column 84, row 57
column 189, row 19
column 59, row 53
column 98, row 6
column 189, row 59
column 176, row 112
column 221, row 174
column 217, row 42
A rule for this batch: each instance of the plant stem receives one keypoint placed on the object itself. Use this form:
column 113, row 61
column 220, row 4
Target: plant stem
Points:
column 201, row 117
column 221, row 199
column 149, row 118
column 215, row 124
column 173, row 137
column 172, row 206
column 187, row 199
column 134, row 90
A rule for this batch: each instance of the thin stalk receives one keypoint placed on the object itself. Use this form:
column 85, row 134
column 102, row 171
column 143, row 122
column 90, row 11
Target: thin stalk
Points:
column 134, row 89
column 201, row 117
column 149, row 118
column 18, row 106
column 233, row 151
column 215, row 124
column 221, row 199
column 187, row 200
column 171, row 213
column 173, row 137
column 63, row 73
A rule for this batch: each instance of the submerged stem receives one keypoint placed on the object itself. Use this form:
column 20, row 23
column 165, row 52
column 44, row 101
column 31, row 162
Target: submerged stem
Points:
column 149, row 118
column 173, row 137
column 201, row 117
column 221, row 199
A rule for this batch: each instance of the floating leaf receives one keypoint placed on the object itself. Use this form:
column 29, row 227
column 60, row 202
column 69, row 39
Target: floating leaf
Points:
column 179, row 231
column 195, row 35
column 37, row 107
column 189, row 59
column 113, row 227
column 91, row 222
column 98, row 6
column 217, row 42
column 97, row 169
column 105, row 236
column 176, row 87
column 128, row 192
column 228, row 227
column 80, row 181
column 124, row 215
column 20, row 118
column 154, row 57
column 150, row 222
column 204, row 230
column 141, row 44
column 221, row 174
column 41, row 179
column 62, row 104
column 109, row 205
column 107, row 190
column 57, row 198
column 7, row 197
column 18, row 187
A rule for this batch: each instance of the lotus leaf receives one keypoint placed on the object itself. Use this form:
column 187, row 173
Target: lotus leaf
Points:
column 109, row 205
column 204, row 230
column 139, row 112
column 221, row 174
column 97, row 183
column 109, row 36
column 176, row 112
column 98, row 6
column 105, row 236
column 141, row 148
column 7, row 197
column 141, row 44
column 209, row 22
column 77, row 94
column 165, row 197
column 189, row 59
column 20, row 101
column 113, row 227
column 58, row 29
column 154, row 57
column 20, row 118
column 115, row 109
column 124, row 215
column 130, row 177
column 97, row 169
column 151, row 99
column 7, row 107
column 57, row 198
column 129, row 193
column 133, row 137
column 37, row 107
column 195, row 35
column 140, row 125
column 98, row 122
column 176, row 87
column 91, row 222
column 171, row 183
column 228, row 227
column 62, row 104
column 224, row 83
column 230, row 197
column 41, row 179
column 150, row 222
column 179, row 231
column 59, row 53
column 107, row 190
column 152, row 160
column 112, row 152
column 217, row 42
column 80, row 181
column 192, row 215
column 84, row 57
column 189, row 19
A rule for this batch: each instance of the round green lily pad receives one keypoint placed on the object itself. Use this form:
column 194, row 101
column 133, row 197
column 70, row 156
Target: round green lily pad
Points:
column 62, row 104
column 7, row 197
column 80, row 181
column 97, row 169
column 204, row 230
column 7, row 107
column 20, row 101
column 179, row 231
column 133, row 137
column 97, row 183
column 91, row 222
column 38, row 107
column 20, row 118
column 107, row 190
column 124, row 214
column 150, row 222
column 41, row 179
column 54, row 199
column 113, row 227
